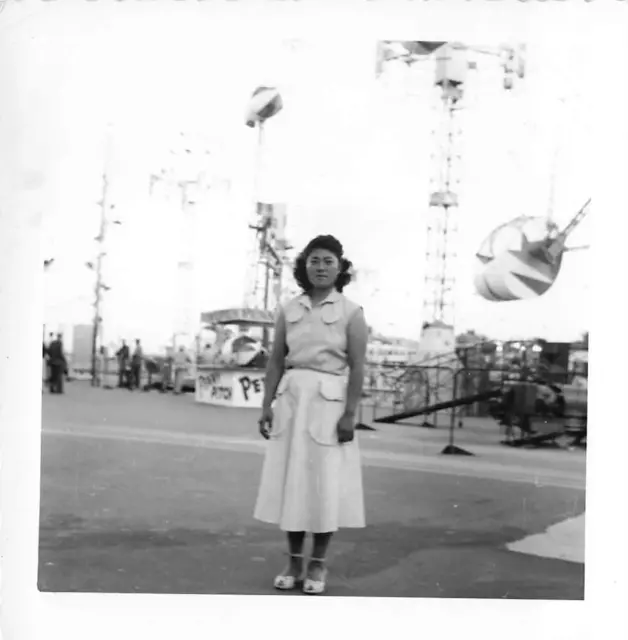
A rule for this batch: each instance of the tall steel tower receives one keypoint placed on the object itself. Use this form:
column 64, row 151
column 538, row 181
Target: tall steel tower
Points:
column 442, row 223
column 452, row 63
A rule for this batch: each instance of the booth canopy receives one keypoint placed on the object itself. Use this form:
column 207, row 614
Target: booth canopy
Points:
column 242, row 317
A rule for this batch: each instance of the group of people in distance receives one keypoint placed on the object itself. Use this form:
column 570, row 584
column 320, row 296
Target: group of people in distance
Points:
column 130, row 365
column 172, row 372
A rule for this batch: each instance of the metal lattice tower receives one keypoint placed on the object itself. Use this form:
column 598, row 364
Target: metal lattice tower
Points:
column 453, row 62
column 442, row 222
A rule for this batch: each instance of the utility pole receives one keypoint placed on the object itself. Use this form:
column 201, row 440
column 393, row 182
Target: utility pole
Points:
column 100, row 239
column 97, row 322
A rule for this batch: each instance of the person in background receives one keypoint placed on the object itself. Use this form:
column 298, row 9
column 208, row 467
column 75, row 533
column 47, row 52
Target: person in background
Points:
column 123, row 356
column 181, row 362
column 44, row 366
column 136, row 366
column 51, row 338
column 57, row 363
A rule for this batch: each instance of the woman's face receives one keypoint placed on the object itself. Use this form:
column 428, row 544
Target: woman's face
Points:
column 323, row 268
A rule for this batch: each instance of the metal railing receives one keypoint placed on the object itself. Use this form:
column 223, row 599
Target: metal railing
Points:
column 403, row 395
column 395, row 389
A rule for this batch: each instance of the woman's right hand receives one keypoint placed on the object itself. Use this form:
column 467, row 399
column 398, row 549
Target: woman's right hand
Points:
column 265, row 422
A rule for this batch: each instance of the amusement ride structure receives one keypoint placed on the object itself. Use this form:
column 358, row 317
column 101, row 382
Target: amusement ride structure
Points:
column 452, row 63
column 520, row 259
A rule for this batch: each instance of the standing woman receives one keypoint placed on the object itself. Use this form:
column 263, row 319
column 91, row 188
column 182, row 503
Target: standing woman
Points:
column 312, row 479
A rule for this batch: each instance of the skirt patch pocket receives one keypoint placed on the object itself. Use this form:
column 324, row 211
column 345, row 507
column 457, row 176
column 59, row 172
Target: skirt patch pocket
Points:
column 281, row 408
column 327, row 409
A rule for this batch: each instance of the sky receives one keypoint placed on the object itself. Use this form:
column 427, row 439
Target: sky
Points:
column 349, row 155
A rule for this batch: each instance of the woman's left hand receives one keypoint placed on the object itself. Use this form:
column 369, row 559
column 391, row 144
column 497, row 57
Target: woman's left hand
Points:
column 346, row 428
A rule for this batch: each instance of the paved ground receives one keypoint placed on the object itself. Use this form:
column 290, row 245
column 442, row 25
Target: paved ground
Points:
column 153, row 494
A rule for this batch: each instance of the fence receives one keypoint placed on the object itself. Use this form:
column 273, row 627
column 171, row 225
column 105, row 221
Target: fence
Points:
column 541, row 411
column 393, row 389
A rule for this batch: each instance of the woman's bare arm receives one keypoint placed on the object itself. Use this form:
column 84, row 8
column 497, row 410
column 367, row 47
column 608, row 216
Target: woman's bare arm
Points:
column 357, row 340
column 276, row 362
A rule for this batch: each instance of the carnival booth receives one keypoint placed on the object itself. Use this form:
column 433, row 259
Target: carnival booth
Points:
column 232, row 372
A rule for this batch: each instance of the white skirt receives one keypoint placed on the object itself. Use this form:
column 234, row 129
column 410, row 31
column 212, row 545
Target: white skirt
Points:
column 309, row 481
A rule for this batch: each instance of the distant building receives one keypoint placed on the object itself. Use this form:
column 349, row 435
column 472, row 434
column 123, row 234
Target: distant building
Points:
column 437, row 340
column 382, row 350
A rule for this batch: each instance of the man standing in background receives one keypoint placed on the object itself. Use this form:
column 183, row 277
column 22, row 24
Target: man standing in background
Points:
column 136, row 366
column 51, row 338
column 57, row 364
column 44, row 366
column 123, row 360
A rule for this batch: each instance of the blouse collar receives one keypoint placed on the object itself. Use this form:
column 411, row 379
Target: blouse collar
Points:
column 332, row 298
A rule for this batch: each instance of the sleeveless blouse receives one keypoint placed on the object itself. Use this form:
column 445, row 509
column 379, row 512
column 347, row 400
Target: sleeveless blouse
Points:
column 316, row 336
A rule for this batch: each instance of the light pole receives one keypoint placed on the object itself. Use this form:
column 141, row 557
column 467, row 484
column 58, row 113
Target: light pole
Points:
column 100, row 286
column 265, row 103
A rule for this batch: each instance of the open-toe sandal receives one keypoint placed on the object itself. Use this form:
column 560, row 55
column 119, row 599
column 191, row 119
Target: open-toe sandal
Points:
column 316, row 587
column 287, row 582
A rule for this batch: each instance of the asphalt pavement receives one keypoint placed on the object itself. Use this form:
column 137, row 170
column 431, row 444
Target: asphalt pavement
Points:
column 151, row 493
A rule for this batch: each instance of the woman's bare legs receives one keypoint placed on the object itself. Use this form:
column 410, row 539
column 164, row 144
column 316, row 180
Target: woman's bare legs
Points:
column 295, row 547
column 316, row 566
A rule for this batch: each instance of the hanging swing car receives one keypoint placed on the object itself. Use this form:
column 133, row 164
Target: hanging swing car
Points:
column 522, row 258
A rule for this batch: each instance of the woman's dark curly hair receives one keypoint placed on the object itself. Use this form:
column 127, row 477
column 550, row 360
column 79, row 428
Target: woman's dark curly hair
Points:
column 328, row 243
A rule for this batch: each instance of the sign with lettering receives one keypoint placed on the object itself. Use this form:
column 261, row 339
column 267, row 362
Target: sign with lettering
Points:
column 249, row 389
column 230, row 388
column 212, row 387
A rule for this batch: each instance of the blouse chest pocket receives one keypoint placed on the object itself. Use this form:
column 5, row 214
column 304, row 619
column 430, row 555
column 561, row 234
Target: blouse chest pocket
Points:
column 298, row 327
column 330, row 313
column 327, row 410
column 295, row 314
